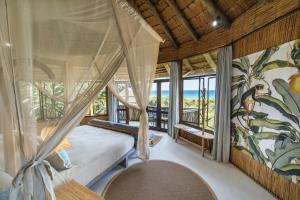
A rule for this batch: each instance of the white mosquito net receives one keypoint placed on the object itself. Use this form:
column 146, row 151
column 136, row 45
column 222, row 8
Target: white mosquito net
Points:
column 55, row 57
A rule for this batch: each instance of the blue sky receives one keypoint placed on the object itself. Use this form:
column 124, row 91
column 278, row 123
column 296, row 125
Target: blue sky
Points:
column 192, row 84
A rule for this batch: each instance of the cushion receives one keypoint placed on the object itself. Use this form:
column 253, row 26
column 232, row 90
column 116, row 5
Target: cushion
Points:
column 59, row 160
column 132, row 130
column 5, row 181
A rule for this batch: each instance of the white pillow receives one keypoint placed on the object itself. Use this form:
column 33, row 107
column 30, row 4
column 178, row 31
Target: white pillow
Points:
column 5, row 181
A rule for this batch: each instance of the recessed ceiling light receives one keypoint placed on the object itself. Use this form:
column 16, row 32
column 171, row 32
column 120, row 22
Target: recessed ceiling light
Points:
column 215, row 23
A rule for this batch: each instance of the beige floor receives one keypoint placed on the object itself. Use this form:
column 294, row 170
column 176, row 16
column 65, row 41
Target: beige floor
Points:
column 227, row 181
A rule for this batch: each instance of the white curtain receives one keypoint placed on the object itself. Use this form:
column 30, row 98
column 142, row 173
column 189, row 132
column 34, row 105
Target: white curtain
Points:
column 173, row 115
column 142, row 55
column 112, row 107
column 66, row 52
column 221, row 145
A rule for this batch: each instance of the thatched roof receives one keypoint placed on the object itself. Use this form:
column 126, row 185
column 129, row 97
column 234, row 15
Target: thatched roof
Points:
column 187, row 25
column 182, row 21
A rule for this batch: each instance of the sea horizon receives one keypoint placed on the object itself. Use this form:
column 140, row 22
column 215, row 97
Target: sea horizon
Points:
column 187, row 94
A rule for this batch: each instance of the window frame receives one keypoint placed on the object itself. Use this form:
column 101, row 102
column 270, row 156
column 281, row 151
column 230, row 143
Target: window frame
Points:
column 200, row 78
column 106, row 107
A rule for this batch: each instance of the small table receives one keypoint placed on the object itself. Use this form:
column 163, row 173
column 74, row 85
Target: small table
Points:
column 72, row 190
column 204, row 135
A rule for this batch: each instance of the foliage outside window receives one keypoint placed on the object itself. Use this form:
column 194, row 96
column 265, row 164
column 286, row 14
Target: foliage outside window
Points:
column 99, row 106
column 46, row 107
column 49, row 101
column 194, row 99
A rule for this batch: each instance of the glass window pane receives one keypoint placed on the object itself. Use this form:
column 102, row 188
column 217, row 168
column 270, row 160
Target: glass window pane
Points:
column 211, row 102
column 99, row 104
column 164, row 104
column 191, row 101
column 152, row 108
column 199, row 101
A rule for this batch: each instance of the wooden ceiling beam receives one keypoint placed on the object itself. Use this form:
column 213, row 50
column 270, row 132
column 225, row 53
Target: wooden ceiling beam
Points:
column 210, row 61
column 167, row 67
column 162, row 23
column 215, row 11
column 188, row 64
column 183, row 19
column 264, row 1
column 198, row 72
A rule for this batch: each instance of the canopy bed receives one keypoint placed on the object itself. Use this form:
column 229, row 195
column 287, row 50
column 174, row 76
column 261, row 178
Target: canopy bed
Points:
column 66, row 51
column 56, row 56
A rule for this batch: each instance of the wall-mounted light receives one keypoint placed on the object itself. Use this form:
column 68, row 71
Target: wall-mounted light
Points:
column 217, row 21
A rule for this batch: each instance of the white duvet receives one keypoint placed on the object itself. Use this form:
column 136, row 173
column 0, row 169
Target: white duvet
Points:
column 93, row 151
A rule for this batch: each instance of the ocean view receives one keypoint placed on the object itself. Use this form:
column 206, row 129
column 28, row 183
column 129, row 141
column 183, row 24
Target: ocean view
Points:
column 188, row 94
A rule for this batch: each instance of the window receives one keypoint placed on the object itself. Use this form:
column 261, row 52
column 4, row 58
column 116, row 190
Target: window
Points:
column 46, row 107
column 124, row 114
column 198, row 101
column 99, row 106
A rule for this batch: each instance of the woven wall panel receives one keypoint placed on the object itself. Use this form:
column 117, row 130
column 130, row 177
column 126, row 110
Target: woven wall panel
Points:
column 276, row 184
column 279, row 32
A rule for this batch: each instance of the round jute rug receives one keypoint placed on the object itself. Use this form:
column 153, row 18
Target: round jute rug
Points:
column 158, row 180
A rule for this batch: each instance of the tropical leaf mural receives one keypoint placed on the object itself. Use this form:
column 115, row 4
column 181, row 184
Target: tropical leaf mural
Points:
column 266, row 108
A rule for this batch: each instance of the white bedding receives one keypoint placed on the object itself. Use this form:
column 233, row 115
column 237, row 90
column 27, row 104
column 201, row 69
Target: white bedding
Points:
column 93, row 151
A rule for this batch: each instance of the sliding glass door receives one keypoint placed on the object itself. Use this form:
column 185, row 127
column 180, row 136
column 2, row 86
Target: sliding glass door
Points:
column 152, row 107
column 159, row 105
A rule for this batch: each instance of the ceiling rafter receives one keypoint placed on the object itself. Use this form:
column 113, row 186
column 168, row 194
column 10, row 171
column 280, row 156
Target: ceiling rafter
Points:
column 183, row 19
column 167, row 67
column 188, row 64
column 264, row 1
column 210, row 61
column 215, row 11
column 162, row 23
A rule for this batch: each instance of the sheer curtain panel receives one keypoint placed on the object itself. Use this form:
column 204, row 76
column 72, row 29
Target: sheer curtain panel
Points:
column 55, row 57
column 141, row 44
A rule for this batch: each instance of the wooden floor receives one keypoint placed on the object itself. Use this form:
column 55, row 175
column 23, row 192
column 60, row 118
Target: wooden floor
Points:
column 227, row 181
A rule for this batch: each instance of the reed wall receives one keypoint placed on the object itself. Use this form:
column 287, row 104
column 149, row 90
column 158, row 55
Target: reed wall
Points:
column 285, row 29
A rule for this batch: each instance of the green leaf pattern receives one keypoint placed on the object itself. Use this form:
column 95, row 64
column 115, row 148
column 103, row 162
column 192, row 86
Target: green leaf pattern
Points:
column 257, row 122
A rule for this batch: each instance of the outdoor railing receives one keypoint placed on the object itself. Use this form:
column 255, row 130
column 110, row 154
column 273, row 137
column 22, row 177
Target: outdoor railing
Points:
column 190, row 115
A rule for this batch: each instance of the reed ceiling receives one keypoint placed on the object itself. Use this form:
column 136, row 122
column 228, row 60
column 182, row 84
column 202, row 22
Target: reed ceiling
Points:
column 183, row 21
column 180, row 22
column 187, row 26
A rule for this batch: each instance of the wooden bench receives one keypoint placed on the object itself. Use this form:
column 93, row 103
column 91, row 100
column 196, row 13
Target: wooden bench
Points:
column 205, row 137
column 72, row 190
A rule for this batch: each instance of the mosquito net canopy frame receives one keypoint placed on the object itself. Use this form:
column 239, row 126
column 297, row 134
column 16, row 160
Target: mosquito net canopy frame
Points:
column 55, row 57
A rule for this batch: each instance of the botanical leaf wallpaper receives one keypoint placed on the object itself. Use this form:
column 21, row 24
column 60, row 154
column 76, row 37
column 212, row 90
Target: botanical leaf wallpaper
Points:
column 266, row 108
